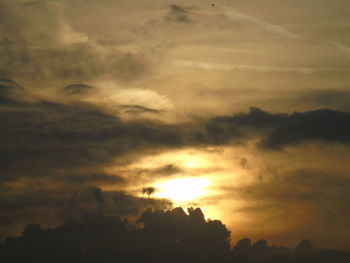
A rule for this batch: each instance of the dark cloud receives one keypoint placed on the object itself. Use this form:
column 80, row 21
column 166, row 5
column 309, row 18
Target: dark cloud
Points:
column 63, row 152
column 177, row 14
column 319, row 125
column 8, row 87
column 86, row 178
column 45, row 135
column 65, row 146
column 10, row 91
column 22, row 206
column 147, row 175
column 165, row 236
column 280, row 130
column 168, row 169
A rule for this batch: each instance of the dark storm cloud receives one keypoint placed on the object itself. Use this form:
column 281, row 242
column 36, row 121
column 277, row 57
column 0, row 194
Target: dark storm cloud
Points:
column 280, row 130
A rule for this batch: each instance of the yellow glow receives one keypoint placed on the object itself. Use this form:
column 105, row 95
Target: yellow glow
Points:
column 183, row 189
column 192, row 161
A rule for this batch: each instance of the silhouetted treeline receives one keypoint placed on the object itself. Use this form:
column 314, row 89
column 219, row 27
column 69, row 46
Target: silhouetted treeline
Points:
column 163, row 236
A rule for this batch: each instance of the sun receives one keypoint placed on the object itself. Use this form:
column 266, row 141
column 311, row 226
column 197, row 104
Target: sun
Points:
column 182, row 190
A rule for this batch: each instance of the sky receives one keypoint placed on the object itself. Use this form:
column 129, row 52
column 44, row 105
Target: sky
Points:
column 241, row 109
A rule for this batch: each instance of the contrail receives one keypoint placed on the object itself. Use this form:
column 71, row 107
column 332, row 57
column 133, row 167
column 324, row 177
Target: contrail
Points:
column 227, row 66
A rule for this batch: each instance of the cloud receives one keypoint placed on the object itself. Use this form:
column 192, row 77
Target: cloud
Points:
column 37, row 43
column 77, row 89
column 137, row 109
column 170, row 236
column 10, row 91
column 177, row 14
column 164, row 233
column 45, row 136
column 280, row 130
column 61, row 202
column 148, row 175
column 71, row 135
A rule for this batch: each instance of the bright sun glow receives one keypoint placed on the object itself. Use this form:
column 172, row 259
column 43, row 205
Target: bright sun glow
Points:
column 183, row 189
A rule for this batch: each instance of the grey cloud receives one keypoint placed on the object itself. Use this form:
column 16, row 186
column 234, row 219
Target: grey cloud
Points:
column 48, row 135
column 177, row 14
column 44, row 136
column 9, row 87
column 82, row 200
column 148, row 175
column 280, row 130
column 325, row 125
column 57, row 204
column 88, row 178
column 10, row 91
column 165, row 170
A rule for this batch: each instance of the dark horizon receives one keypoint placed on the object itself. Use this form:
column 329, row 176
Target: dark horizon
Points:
column 156, row 236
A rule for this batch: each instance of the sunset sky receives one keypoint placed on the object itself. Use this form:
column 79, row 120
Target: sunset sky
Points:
column 241, row 109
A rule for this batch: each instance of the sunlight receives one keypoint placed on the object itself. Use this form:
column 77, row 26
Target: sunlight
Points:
column 182, row 190
column 193, row 161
